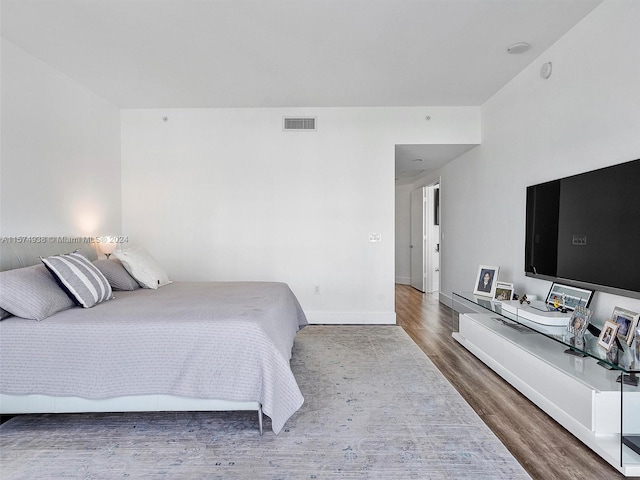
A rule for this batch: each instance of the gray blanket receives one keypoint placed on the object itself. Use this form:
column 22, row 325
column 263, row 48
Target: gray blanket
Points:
column 227, row 341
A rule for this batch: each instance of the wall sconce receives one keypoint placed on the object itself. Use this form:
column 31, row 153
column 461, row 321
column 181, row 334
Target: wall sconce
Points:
column 106, row 245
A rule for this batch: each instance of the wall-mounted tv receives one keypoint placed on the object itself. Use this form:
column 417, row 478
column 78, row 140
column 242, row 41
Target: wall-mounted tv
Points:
column 584, row 230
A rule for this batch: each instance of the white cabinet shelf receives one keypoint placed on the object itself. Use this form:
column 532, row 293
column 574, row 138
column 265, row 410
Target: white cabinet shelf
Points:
column 582, row 396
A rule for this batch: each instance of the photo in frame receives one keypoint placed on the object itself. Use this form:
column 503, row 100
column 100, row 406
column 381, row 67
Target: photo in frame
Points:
column 579, row 321
column 627, row 322
column 504, row 292
column 569, row 297
column 608, row 335
column 486, row 280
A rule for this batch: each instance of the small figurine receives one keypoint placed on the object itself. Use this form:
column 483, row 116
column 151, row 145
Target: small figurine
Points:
column 563, row 306
column 523, row 299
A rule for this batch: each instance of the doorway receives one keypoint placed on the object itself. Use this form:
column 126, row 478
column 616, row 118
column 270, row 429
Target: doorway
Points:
column 424, row 249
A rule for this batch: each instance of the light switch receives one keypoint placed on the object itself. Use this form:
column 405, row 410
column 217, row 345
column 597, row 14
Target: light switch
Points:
column 375, row 237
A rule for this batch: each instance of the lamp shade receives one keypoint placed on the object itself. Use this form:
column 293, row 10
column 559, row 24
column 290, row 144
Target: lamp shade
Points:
column 106, row 245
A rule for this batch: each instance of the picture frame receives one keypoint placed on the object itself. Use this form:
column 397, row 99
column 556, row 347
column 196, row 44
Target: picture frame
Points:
column 504, row 292
column 627, row 322
column 608, row 335
column 486, row 281
column 579, row 321
column 565, row 296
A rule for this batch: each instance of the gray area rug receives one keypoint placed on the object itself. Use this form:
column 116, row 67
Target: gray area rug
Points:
column 375, row 407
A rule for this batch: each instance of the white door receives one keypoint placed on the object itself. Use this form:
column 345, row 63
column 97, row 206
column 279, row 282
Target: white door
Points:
column 432, row 240
column 417, row 248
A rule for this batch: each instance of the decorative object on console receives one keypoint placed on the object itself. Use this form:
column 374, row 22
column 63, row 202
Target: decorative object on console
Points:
column 565, row 297
column 612, row 355
column 635, row 348
column 579, row 321
column 608, row 335
column 504, row 291
column 632, row 378
column 486, row 280
column 627, row 322
column 577, row 327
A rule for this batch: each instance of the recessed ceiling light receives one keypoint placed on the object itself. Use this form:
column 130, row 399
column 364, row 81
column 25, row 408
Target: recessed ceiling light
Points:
column 519, row 47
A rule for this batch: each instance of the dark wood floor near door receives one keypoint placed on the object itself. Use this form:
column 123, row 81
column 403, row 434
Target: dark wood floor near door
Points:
column 544, row 448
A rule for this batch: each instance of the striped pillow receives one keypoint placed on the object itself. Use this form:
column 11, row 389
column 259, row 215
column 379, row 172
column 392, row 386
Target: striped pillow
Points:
column 79, row 278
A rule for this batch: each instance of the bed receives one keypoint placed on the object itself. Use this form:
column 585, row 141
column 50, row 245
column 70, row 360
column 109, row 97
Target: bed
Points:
column 185, row 346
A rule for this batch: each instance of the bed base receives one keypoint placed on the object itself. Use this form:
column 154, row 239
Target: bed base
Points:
column 22, row 404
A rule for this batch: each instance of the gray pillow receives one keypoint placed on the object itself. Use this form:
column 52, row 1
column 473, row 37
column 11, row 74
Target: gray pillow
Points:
column 80, row 278
column 116, row 274
column 32, row 293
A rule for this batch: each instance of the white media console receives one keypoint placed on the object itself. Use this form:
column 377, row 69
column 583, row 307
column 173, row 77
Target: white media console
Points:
column 584, row 397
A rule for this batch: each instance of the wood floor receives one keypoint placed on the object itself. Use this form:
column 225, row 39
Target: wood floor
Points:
column 544, row 448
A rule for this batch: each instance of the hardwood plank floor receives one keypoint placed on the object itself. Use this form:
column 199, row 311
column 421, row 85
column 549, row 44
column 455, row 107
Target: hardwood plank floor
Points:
column 544, row 448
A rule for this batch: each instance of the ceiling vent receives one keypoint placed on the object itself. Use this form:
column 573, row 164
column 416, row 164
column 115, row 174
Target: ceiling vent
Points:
column 299, row 124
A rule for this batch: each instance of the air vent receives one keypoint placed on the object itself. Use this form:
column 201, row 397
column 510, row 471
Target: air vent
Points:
column 298, row 124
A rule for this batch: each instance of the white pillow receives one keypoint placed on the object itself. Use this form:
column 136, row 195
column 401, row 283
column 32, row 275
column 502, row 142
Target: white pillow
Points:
column 142, row 267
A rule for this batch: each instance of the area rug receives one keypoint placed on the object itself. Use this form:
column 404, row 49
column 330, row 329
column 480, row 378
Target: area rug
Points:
column 375, row 407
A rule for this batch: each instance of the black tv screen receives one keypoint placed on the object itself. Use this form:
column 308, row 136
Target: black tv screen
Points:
column 584, row 230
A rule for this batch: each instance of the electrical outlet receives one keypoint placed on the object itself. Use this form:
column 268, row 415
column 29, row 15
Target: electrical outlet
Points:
column 316, row 289
column 375, row 237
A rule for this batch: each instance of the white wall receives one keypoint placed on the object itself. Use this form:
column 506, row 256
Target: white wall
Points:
column 403, row 234
column 585, row 116
column 225, row 194
column 60, row 155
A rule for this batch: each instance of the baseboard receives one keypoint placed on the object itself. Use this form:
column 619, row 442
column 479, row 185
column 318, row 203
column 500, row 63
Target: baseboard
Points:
column 351, row 318
column 403, row 280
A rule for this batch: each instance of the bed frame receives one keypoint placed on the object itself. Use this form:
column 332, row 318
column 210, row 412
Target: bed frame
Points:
column 19, row 255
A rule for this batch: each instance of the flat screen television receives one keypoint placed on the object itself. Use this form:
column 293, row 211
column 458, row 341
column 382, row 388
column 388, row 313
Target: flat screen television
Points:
column 584, row 230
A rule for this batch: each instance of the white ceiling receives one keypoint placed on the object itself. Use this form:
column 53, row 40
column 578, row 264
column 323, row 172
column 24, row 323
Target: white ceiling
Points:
column 289, row 53
column 415, row 161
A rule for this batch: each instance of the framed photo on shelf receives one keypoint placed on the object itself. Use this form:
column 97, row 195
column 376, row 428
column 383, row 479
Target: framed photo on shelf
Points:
column 579, row 321
column 569, row 297
column 504, row 292
column 486, row 281
column 608, row 335
column 627, row 322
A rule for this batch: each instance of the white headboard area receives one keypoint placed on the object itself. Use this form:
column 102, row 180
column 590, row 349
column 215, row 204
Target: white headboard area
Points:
column 26, row 252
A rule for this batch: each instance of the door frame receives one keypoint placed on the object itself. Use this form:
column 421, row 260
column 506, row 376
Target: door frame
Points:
column 417, row 238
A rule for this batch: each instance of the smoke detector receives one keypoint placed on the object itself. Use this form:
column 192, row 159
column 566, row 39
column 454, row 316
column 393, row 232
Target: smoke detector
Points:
column 519, row 47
